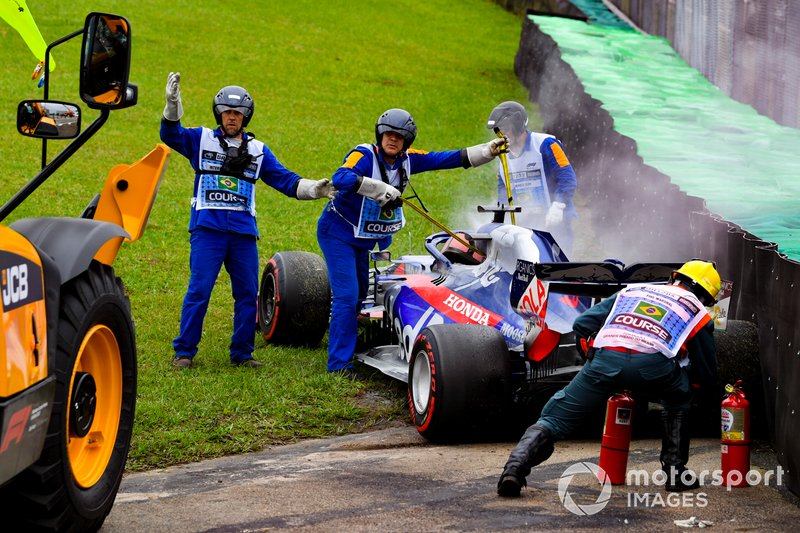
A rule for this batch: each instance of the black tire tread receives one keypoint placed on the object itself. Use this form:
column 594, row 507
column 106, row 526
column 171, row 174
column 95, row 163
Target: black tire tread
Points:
column 305, row 300
column 474, row 387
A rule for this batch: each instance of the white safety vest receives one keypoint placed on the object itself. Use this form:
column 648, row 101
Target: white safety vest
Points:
column 374, row 221
column 528, row 179
column 225, row 192
column 652, row 318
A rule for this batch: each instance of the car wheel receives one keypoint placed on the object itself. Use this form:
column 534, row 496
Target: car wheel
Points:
column 459, row 382
column 294, row 301
column 73, row 485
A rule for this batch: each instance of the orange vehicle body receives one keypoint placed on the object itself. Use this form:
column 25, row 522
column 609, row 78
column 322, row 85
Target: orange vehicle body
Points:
column 68, row 362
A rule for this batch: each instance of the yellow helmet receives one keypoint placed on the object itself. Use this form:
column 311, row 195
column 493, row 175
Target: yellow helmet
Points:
column 702, row 278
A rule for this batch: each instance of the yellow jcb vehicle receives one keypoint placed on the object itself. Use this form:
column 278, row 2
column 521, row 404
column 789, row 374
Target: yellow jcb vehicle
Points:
column 67, row 347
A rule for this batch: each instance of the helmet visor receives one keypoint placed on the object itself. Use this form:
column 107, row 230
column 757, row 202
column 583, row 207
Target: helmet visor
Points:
column 383, row 128
column 507, row 124
column 221, row 108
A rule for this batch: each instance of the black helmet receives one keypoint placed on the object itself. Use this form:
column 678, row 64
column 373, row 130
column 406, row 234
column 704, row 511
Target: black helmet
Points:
column 236, row 98
column 456, row 252
column 398, row 121
column 510, row 117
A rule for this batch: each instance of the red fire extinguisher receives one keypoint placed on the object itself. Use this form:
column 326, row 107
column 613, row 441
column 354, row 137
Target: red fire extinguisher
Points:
column 735, row 436
column 617, row 437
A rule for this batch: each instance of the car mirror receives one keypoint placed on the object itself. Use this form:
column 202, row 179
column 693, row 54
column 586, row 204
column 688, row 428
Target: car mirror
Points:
column 105, row 63
column 381, row 256
column 48, row 119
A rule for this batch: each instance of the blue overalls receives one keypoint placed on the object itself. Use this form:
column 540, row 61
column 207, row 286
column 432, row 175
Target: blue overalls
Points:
column 223, row 231
column 351, row 225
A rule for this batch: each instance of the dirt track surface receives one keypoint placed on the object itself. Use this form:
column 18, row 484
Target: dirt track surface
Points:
column 393, row 480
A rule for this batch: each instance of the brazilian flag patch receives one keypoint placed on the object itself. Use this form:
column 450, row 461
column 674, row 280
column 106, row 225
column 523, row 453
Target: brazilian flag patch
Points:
column 650, row 311
column 226, row 182
column 386, row 214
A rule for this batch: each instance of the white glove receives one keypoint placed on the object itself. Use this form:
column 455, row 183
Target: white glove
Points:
column 555, row 214
column 174, row 109
column 312, row 190
column 377, row 190
column 483, row 153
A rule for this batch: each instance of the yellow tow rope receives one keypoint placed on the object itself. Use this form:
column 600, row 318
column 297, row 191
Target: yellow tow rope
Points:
column 504, row 162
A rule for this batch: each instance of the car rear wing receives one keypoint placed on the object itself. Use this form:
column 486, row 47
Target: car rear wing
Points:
column 599, row 280
column 532, row 282
column 534, row 287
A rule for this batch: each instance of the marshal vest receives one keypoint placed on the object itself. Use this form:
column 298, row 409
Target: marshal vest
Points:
column 216, row 191
column 528, row 179
column 374, row 221
column 653, row 319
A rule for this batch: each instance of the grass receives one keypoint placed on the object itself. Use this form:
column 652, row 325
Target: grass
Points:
column 320, row 74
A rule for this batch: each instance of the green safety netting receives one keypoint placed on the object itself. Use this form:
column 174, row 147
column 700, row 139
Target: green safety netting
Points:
column 745, row 166
column 598, row 13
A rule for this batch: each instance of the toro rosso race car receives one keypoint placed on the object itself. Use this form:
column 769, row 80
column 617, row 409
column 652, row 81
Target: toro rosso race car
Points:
column 479, row 328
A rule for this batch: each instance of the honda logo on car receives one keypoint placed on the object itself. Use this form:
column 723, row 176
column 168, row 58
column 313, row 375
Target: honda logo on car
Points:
column 469, row 310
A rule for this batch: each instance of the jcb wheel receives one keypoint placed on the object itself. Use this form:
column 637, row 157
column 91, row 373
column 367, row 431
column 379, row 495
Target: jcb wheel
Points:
column 294, row 301
column 459, row 382
column 73, row 485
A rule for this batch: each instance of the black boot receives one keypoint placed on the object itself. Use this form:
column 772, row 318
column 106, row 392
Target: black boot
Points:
column 535, row 446
column 675, row 450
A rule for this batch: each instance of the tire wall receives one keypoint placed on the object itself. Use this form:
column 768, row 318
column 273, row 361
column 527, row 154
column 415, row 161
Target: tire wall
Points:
column 631, row 202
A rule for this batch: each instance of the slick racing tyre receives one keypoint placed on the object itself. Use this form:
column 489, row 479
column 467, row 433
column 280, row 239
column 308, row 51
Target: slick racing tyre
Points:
column 459, row 381
column 73, row 485
column 294, row 301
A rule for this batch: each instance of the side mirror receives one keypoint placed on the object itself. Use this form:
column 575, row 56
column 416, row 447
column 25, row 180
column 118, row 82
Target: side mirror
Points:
column 105, row 63
column 48, row 119
column 385, row 255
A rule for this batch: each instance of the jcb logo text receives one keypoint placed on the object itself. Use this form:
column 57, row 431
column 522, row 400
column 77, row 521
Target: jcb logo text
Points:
column 14, row 284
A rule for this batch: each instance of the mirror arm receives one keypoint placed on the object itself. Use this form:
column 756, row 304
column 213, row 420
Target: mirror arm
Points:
column 46, row 74
column 57, row 161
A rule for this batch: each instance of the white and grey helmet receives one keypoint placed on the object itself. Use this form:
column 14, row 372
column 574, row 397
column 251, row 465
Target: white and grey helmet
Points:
column 399, row 121
column 234, row 98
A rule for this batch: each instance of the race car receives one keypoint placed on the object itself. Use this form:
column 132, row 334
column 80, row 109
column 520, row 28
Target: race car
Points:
column 480, row 328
